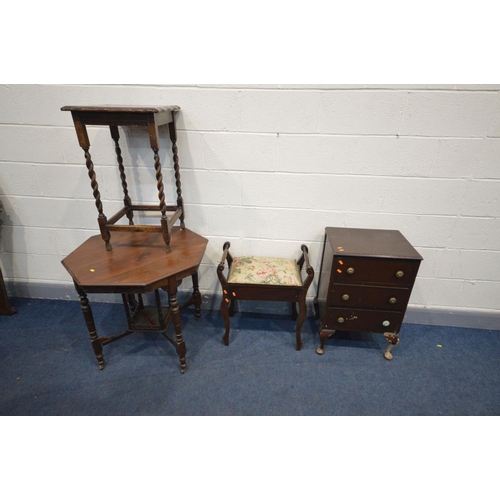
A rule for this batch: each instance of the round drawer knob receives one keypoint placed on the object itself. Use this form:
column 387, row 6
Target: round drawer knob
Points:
column 350, row 270
column 340, row 320
column 345, row 296
column 400, row 274
column 392, row 300
column 386, row 323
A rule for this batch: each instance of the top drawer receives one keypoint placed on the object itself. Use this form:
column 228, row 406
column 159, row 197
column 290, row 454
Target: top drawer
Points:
column 374, row 270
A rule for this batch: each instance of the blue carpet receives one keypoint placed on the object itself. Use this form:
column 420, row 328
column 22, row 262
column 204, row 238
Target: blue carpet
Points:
column 47, row 367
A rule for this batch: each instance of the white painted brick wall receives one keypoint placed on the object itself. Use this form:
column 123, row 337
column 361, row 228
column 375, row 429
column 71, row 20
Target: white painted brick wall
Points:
column 449, row 114
column 267, row 167
column 369, row 112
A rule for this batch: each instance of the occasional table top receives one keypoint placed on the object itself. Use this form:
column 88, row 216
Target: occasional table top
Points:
column 114, row 108
column 138, row 261
column 370, row 243
column 115, row 115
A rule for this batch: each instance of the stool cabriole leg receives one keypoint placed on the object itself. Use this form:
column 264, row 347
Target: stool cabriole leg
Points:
column 300, row 321
column 225, row 316
column 232, row 303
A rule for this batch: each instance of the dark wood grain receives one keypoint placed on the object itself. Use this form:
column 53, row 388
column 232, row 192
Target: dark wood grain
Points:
column 366, row 270
column 150, row 117
column 365, row 282
column 366, row 296
column 115, row 108
column 378, row 243
column 138, row 264
column 361, row 320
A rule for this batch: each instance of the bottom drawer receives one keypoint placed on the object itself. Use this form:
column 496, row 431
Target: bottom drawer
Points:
column 362, row 320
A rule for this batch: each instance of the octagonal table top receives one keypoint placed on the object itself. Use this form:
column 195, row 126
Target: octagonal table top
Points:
column 138, row 262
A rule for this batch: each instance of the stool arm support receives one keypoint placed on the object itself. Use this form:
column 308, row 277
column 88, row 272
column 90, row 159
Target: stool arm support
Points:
column 309, row 270
column 225, row 253
column 304, row 258
column 225, row 256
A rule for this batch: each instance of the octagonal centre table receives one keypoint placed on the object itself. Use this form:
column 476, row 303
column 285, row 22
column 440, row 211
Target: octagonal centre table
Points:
column 138, row 264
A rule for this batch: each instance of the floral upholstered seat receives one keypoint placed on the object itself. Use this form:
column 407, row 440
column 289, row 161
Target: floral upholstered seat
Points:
column 265, row 278
column 265, row 271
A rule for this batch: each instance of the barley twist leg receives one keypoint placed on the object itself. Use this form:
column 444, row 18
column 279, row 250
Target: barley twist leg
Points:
column 101, row 219
column 180, row 202
column 126, row 198
column 161, row 197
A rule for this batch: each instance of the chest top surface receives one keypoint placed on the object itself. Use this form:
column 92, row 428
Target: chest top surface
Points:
column 370, row 243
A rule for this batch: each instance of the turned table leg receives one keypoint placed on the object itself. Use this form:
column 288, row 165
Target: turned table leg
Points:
column 196, row 296
column 393, row 340
column 180, row 345
column 89, row 320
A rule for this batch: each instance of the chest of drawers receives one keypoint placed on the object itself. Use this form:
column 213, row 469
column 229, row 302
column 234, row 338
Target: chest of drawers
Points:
column 365, row 282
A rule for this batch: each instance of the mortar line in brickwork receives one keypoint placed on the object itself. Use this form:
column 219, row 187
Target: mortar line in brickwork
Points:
column 347, row 174
column 327, row 134
column 256, row 132
column 314, row 87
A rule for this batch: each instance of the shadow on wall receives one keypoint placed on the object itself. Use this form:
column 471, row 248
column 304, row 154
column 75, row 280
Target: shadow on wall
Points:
column 7, row 207
column 5, row 307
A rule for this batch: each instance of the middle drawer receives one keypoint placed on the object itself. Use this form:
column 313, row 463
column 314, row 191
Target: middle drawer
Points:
column 369, row 297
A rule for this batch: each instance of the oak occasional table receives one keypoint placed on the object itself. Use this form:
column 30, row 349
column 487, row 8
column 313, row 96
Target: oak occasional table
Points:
column 365, row 282
column 138, row 264
column 151, row 118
